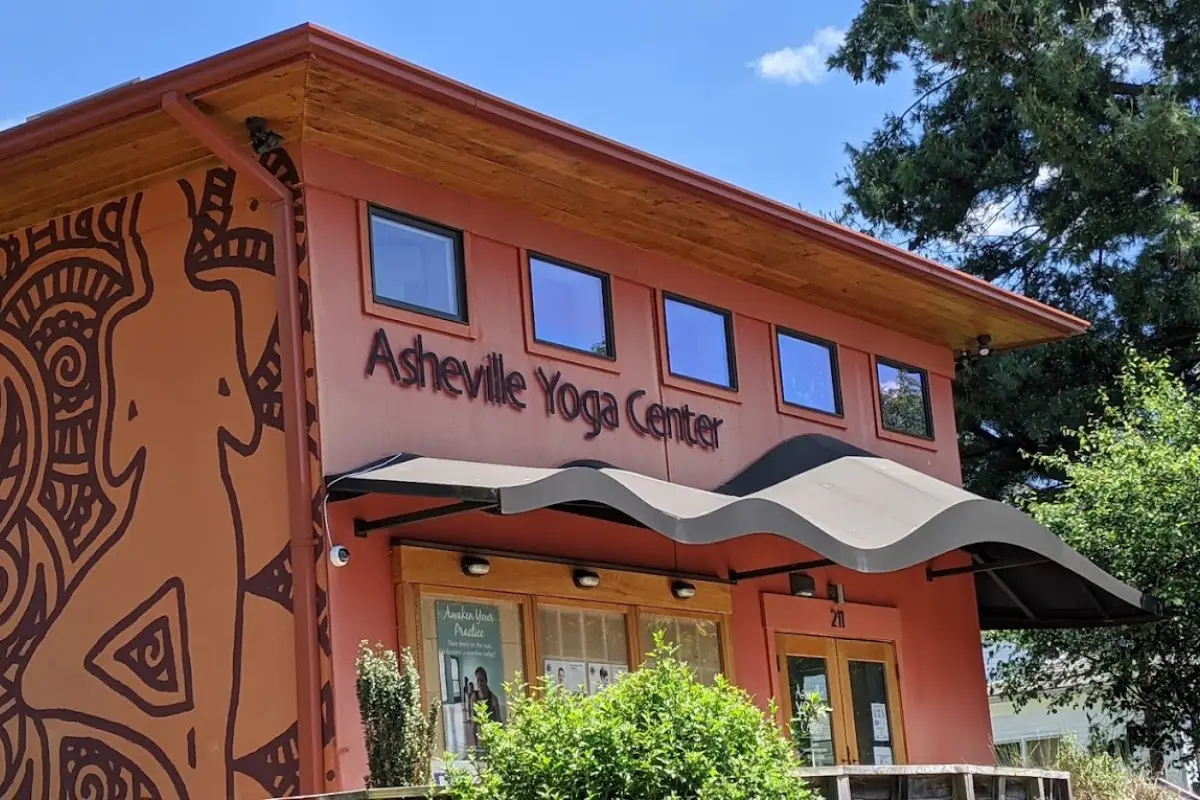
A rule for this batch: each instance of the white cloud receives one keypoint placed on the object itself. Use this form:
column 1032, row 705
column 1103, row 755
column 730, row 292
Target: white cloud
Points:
column 804, row 64
column 1045, row 175
column 995, row 219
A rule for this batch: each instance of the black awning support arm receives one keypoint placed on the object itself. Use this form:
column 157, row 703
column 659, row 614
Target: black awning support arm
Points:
column 1003, row 586
column 800, row 566
column 362, row 527
column 984, row 566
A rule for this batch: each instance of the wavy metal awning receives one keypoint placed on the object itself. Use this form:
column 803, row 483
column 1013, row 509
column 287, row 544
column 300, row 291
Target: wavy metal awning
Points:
column 852, row 508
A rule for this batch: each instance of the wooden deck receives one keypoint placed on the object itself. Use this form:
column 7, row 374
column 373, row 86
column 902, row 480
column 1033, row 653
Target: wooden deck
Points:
column 908, row 782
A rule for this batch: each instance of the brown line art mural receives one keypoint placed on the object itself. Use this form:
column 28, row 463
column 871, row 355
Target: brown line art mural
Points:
column 146, row 627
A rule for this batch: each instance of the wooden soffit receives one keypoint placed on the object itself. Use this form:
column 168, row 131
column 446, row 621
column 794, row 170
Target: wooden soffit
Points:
column 315, row 86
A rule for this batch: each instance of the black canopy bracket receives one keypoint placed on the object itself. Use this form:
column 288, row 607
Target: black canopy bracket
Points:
column 984, row 566
column 782, row 569
column 362, row 527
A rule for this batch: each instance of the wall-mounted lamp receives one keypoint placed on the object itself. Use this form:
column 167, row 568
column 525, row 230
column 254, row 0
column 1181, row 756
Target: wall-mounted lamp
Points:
column 586, row 579
column 683, row 590
column 985, row 346
column 475, row 567
column 802, row 584
column 262, row 139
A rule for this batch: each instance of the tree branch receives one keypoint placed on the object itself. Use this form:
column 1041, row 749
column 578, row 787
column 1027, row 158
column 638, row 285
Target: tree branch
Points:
column 1124, row 89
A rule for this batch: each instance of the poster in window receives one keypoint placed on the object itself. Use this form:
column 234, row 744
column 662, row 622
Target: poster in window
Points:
column 472, row 667
column 882, row 756
column 601, row 675
column 820, row 728
column 569, row 675
column 879, row 722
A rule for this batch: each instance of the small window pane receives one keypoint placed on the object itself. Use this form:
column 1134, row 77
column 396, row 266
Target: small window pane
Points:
column 904, row 399
column 812, row 738
column 570, row 307
column 808, row 372
column 698, row 342
column 417, row 266
column 1008, row 754
column 697, row 641
column 583, row 650
column 872, row 718
column 1043, row 752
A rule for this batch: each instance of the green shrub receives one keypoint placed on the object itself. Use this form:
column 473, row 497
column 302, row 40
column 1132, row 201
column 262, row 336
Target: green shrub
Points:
column 656, row 734
column 1102, row 776
column 399, row 736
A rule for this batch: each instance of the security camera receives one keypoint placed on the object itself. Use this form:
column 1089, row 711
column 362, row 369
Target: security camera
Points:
column 339, row 555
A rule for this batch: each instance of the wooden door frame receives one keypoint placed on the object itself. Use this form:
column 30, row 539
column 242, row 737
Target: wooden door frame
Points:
column 837, row 651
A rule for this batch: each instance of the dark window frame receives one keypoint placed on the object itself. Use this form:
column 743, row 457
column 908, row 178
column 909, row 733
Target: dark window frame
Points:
column 730, row 354
column 610, row 353
column 834, row 366
column 926, row 399
column 429, row 226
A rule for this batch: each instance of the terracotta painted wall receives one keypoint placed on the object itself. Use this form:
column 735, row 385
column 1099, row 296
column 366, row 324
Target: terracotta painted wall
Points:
column 146, row 633
column 363, row 419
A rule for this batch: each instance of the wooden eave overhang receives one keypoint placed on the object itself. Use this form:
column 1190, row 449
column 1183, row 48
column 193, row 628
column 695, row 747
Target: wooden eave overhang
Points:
column 323, row 89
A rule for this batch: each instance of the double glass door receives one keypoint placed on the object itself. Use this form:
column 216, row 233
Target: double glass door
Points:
column 856, row 683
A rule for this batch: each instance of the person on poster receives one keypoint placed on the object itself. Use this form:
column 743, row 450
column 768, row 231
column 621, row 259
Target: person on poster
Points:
column 483, row 694
column 562, row 677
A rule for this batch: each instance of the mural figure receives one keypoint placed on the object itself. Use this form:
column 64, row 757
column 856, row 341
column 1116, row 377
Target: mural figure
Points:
column 145, row 584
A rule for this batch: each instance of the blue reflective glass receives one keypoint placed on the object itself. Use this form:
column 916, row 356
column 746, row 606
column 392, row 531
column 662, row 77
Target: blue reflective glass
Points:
column 569, row 308
column 416, row 267
column 808, row 373
column 698, row 343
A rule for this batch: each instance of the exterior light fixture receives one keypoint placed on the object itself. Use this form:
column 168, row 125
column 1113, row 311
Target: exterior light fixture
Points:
column 802, row 584
column 985, row 346
column 262, row 139
column 683, row 590
column 475, row 567
column 586, row 579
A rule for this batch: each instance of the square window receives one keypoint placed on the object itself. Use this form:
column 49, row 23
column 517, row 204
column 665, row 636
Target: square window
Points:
column 417, row 265
column 572, row 307
column 808, row 372
column 697, row 642
column 700, row 342
column 904, row 399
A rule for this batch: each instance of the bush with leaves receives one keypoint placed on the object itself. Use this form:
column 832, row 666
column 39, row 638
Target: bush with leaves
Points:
column 1102, row 776
column 399, row 735
column 656, row 734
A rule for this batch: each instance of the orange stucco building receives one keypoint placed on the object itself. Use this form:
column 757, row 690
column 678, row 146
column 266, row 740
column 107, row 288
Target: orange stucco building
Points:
column 302, row 346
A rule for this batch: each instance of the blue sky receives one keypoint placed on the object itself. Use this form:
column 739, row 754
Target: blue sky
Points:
column 683, row 79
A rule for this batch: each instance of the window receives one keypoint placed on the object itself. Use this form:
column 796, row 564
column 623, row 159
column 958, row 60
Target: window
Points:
column 417, row 265
column 1008, row 754
column 904, row 399
column 582, row 650
column 572, row 307
column 699, row 342
column 1043, row 752
column 471, row 648
column 698, row 641
column 808, row 372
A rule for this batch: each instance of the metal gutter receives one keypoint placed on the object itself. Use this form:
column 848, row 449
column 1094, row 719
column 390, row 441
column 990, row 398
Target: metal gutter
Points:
column 299, row 478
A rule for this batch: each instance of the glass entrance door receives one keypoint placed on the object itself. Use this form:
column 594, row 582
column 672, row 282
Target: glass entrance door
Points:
column 856, row 682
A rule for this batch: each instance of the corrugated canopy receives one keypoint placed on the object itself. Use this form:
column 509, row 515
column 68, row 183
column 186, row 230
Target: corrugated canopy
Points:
column 855, row 509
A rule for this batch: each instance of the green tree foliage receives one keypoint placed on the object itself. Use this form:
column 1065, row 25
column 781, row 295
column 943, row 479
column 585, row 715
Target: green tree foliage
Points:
column 1131, row 503
column 903, row 405
column 656, row 734
column 399, row 735
column 1053, row 147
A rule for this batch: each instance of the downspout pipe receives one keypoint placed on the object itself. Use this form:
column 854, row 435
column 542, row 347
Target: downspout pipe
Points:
column 299, row 479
